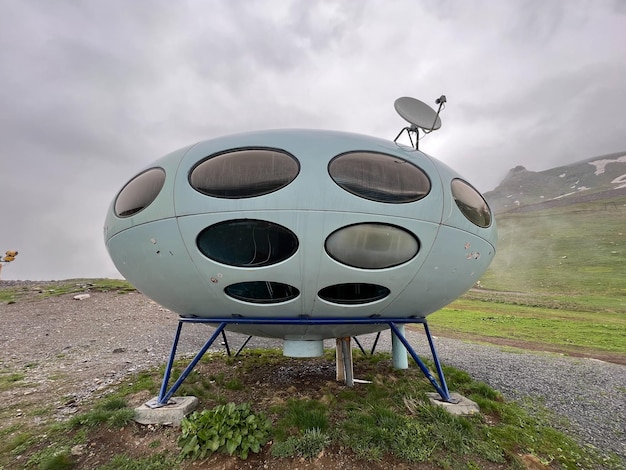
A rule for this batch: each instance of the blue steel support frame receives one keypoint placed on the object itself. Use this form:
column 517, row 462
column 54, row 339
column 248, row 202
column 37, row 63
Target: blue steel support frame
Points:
column 442, row 387
column 165, row 395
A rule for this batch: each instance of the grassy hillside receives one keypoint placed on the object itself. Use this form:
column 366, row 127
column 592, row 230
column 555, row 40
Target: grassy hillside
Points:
column 577, row 252
column 557, row 283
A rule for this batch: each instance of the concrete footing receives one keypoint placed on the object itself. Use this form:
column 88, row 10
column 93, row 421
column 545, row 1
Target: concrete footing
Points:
column 460, row 405
column 171, row 414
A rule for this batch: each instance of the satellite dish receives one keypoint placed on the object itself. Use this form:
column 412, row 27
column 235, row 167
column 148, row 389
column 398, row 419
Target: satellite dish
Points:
column 417, row 113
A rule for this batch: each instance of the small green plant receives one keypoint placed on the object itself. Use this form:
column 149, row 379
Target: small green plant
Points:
column 233, row 384
column 15, row 377
column 197, row 385
column 8, row 381
column 230, row 429
column 19, row 443
column 8, row 296
column 112, row 411
column 303, row 415
column 309, row 445
column 9, row 430
column 142, row 381
column 52, row 458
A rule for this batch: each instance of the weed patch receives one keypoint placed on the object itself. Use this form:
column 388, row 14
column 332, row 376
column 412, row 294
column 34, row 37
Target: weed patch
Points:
column 111, row 411
column 10, row 380
column 308, row 445
column 52, row 458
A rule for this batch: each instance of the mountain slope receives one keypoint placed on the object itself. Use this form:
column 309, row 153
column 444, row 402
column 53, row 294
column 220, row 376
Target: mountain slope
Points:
column 592, row 179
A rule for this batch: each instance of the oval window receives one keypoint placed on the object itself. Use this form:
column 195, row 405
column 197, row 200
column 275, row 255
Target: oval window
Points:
column 244, row 173
column 353, row 293
column 139, row 192
column 471, row 203
column 247, row 243
column 379, row 177
column 262, row 292
column 372, row 245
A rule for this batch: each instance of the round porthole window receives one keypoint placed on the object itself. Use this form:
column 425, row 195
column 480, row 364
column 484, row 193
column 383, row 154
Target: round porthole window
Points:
column 471, row 203
column 379, row 177
column 372, row 245
column 244, row 173
column 139, row 192
column 353, row 293
column 262, row 292
column 247, row 243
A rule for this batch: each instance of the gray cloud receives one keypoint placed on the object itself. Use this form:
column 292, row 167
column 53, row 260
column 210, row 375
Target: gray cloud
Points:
column 91, row 92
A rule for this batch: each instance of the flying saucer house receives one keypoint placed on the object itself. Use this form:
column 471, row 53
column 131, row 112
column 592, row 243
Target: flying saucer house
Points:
column 302, row 234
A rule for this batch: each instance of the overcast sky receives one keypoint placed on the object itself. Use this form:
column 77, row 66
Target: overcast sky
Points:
column 93, row 91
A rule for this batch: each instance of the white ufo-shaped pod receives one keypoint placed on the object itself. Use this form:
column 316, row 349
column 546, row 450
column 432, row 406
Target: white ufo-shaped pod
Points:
column 300, row 223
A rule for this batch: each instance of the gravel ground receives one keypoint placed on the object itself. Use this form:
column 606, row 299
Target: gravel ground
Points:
column 75, row 348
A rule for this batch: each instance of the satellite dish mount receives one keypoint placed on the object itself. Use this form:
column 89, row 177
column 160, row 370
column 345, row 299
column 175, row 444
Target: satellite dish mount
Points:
column 420, row 116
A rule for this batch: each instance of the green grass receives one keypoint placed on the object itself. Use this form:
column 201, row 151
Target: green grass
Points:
column 55, row 457
column 74, row 286
column 389, row 417
column 111, row 411
column 573, row 303
column 308, row 445
column 69, row 286
column 558, row 280
column 146, row 380
column 9, row 380
column 577, row 250
column 9, row 295
column 299, row 416
column 598, row 331
column 48, row 446
column 17, row 443
column 12, row 429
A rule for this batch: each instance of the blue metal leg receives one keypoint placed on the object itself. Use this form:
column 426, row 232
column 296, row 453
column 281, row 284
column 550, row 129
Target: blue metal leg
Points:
column 225, row 342
column 243, row 346
column 375, row 343
column 359, row 345
column 433, row 351
column 442, row 390
column 441, row 387
column 170, row 363
column 164, row 397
